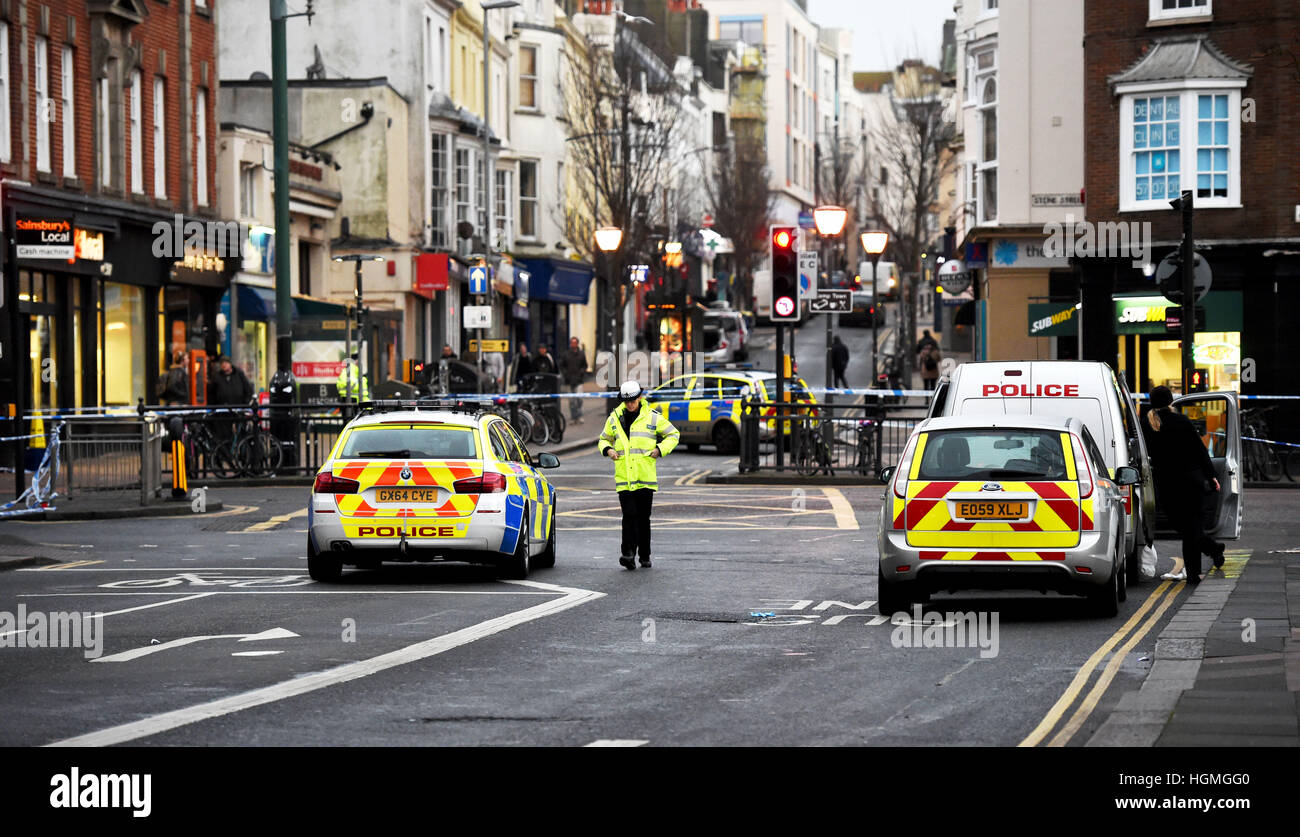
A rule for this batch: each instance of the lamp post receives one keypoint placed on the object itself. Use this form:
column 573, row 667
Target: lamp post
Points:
column 830, row 223
column 608, row 239
column 356, row 259
column 874, row 244
column 489, row 185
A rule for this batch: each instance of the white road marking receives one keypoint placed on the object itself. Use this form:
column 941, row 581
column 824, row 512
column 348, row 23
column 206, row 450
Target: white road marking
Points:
column 255, row 653
column 148, row 546
column 301, row 592
column 618, row 742
column 145, row 650
column 572, row 597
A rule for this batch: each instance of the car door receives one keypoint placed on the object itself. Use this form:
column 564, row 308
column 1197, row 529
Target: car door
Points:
column 537, row 492
column 670, row 398
column 705, row 398
column 1217, row 418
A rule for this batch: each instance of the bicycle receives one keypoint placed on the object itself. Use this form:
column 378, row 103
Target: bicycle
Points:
column 206, row 452
column 257, row 453
column 812, row 453
column 546, row 411
column 523, row 422
column 1262, row 462
column 868, row 443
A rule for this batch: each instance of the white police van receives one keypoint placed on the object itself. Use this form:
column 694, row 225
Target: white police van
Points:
column 1091, row 391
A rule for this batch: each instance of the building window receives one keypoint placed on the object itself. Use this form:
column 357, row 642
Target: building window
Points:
column 528, row 77
column 988, row 159
column 44, row 107
column 304, row 268
column 501, row 209
column 528, row 199
column 1180, row 139
column 438, row 192
column 201, row 145
column 137, row 136
column 748, row 29
column 5, row 149
column 105, row 152
column 1171, row 9
column 248, row 191
column 464, row 162
column 66, row 85
column 159, row 140
column 988, row 7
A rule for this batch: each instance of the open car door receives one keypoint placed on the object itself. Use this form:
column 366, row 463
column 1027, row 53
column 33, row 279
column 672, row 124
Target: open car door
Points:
column 1217, row 418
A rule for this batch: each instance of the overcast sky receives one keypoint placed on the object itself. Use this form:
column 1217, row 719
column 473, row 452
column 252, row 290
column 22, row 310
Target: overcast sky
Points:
column 887, row 31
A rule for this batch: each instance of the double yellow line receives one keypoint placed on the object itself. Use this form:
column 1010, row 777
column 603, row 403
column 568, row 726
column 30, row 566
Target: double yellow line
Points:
column 1152, row 609
column 693, row 477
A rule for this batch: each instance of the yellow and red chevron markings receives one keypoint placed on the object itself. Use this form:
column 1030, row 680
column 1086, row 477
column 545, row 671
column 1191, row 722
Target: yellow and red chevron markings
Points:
column 423, row 473
column 1058, row 515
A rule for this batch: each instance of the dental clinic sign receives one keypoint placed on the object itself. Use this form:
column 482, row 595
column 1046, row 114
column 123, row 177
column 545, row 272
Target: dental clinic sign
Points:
column 44, row 237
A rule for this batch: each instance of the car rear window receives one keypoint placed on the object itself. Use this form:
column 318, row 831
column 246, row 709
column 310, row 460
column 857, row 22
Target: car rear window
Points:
column 712, row 336
column 411, row 441
column 1087, row 410
column 993, row 454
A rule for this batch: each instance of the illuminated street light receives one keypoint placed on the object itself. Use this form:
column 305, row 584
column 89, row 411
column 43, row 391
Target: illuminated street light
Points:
column 608, row 238
column 830, row 219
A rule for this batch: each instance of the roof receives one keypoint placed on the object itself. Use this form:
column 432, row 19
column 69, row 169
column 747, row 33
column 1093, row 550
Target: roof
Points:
column 461, row 417
column 1182, row 57
column 993, row 422
column 872, row 82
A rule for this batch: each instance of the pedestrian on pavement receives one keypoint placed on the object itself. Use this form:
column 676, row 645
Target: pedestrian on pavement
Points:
column 494, row 364
column 543, row 364
column 839, row 361
column 573, row 366
column 522, row 364
column 447, row 353
column 929, row 364
column 174, row 387
column 229, row 385
column 1184, row 476
column 635, row 436
column 926, row 340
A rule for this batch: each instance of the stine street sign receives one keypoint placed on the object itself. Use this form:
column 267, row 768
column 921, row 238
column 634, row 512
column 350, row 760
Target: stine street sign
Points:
column 828, row 301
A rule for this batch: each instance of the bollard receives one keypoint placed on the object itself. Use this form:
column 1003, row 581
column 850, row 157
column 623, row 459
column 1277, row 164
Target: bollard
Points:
column 180, row 475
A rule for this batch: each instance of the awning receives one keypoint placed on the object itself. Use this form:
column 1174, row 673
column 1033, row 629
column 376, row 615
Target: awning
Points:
column 308, row 306
column 559, row 280
column 256, row 303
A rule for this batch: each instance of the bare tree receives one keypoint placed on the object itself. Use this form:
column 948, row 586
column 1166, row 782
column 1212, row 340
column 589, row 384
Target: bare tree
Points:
column 841, row 180
column 913, row 146
column 622, row 110
column 741, row 200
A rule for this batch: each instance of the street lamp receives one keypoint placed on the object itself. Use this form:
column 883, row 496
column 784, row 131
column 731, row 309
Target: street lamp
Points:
column 608, row 239
column 874, row 243
column 489, row 185
column 356, row 259
column 829, row 221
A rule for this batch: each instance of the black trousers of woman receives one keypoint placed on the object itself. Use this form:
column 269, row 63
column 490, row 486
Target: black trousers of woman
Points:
column 1184, row 505
column 636, row 507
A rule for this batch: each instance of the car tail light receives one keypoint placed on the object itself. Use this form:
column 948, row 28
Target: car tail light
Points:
column 905, row 465
column 327, row 483
column 722, row 345
column 1082, row 468
column 489, row 483
column 1127, row 492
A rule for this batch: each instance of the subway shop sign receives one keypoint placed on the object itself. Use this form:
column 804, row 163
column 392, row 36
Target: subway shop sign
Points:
column 44, row 237
column 1146, row 314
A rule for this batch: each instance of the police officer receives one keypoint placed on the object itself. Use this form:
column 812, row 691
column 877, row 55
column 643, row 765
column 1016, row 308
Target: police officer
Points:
column 635, row 436
column 1184, row 475
column 352, row 382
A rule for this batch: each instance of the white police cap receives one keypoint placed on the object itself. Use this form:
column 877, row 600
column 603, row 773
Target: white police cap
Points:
column 629, row 390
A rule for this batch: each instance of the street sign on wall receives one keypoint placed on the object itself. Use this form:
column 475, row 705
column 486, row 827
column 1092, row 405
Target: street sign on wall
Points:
column 832, row 301
column 808, row 274
column 478, row 316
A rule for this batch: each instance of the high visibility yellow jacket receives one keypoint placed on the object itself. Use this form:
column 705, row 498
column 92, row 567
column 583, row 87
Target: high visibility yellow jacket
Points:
column 635, row 467
column 349, row 375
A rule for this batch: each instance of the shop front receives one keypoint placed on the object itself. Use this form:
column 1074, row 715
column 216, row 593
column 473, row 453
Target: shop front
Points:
column 554, row 285
column 1150, row 351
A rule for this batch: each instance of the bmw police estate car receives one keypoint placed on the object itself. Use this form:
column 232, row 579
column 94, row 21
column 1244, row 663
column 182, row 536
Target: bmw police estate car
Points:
column 1002, row 502
column 422, row 482
column 707, row 406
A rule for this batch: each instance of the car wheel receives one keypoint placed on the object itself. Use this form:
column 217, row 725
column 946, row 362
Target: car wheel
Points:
column 322, row 566
column 516, row 565
column 1133, row 560
column 546, row 558
column 1105, row 600
column 726, row 437
column 894, row 595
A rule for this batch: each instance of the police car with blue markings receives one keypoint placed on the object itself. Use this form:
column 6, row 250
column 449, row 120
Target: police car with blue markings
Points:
column 706, row 407
column 424, row 481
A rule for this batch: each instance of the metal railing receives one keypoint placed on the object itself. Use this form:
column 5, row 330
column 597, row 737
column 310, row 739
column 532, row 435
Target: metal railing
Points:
column 829, row 439
column 111, row 455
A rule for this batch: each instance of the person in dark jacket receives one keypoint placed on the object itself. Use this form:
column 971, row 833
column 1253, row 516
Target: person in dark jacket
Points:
column 543, row 363
column 926, row 340
column 573, row 366
column 1183, row 475
column 229, row 384
column 522, row 365
column 839, row 361
column 174, row 387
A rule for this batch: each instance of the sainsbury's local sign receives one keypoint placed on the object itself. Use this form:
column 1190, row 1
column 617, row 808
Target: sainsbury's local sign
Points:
column 44, row 237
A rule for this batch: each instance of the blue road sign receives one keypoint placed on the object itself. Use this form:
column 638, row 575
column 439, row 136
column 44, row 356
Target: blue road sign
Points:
column 478, row 279
column 806, row 220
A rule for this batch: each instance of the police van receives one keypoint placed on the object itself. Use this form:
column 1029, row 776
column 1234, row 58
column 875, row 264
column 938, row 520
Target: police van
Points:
column 1091, row 391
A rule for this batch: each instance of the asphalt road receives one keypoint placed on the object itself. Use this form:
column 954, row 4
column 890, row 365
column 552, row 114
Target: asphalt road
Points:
column 214, row 635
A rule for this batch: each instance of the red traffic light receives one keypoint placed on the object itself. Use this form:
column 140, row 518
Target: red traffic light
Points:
column 781, row 239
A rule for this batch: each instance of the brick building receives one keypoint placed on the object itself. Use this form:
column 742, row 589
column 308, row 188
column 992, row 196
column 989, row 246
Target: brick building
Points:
column 107, row 139
column 1201, row 95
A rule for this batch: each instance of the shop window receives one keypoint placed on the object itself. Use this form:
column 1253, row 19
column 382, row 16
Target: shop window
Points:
column 123, row 334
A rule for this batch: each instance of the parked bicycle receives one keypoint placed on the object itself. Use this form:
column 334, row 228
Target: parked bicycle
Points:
column 868, row 443
column 1262, row 461
column 546, row 411
column 812, row 454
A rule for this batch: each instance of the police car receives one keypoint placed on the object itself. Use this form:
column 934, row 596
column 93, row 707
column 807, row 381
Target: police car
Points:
column 417, row 481
column 707, row 407
column 1003, row 502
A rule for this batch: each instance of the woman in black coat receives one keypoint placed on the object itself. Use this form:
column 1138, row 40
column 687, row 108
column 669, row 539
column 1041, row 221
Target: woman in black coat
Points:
column 1184, row 475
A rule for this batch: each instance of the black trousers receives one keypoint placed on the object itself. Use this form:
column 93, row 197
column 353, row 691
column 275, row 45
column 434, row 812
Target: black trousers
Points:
column 840, row 383
column 1184, row 505
column 636, row 521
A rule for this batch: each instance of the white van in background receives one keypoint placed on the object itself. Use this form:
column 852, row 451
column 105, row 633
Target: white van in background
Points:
column 1091, row 391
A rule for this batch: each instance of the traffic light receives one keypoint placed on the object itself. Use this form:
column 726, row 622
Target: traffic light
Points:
column 1200, row 381
column 785, row 275
column 413, row 371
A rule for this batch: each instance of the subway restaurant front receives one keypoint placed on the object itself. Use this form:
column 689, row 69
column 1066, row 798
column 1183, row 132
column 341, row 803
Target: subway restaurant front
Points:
column 1150, row 350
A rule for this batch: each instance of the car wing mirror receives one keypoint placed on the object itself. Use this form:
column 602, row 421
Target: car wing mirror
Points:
column 548, row 460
